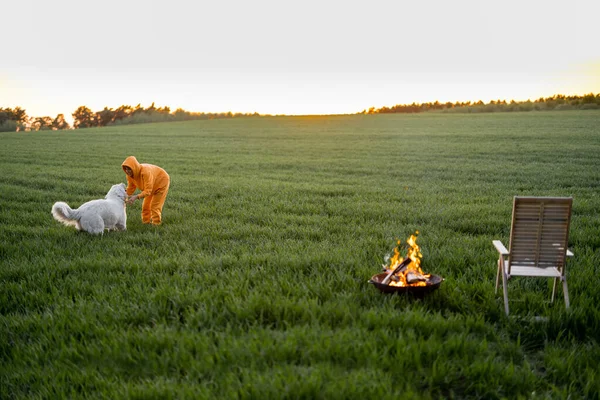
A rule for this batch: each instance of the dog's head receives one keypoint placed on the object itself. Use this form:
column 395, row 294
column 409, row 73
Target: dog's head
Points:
column 118, row 191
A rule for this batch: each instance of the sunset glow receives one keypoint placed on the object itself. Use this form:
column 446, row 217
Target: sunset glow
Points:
column 326, row 57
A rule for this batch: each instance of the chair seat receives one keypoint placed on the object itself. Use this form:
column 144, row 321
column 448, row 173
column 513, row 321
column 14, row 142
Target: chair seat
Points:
column 550, row 272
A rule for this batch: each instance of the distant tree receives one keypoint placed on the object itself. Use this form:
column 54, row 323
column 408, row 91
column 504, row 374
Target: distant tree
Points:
column 17, row 115
column 150, row 109
column 181, row 115
column 122, row 112
column 4, row 116
column 137, row 110
column 41, row 124
column 588, row 98
column 163, row 110
column 83, row 117
column 59, row 123
column 9, row 126
column 105, row 116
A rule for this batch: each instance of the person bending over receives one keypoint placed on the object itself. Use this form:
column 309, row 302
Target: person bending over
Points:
column 153, row 182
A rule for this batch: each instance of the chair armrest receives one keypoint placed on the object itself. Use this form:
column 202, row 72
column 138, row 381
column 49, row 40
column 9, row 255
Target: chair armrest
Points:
column 500, row 247
column 569, row 253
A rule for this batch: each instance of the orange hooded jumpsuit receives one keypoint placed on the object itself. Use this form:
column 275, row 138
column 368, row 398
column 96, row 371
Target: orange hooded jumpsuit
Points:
column 153, row 181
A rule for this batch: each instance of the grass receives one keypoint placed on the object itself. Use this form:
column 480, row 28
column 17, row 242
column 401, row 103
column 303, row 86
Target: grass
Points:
column 256, row 284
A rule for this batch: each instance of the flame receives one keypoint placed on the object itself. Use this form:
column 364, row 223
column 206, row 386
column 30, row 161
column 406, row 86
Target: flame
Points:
column 414, row 253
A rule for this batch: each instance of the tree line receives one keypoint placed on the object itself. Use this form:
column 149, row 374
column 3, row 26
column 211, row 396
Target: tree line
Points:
column 16, row 119
column 83, row 117
column 556, row 102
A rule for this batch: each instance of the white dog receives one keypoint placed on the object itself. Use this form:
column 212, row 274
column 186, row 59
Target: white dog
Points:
column 96, row 215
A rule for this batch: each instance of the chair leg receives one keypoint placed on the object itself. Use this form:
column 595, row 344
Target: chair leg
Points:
column 505, row 290
column 566, row 291
column 554, row 289
column 498, row 275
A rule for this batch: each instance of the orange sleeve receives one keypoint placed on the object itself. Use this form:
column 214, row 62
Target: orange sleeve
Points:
column 148, row 179
column 130, row 186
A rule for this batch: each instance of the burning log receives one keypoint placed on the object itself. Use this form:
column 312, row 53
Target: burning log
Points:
column 414, row 277
column 400, row 268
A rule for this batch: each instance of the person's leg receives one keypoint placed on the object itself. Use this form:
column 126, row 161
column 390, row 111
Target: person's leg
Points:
column 158, row 201
column 146, row 209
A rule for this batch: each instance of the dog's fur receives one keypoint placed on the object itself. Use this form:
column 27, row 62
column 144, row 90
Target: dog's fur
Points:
column 97, row 215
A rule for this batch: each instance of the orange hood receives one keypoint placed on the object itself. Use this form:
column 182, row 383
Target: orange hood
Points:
column 132, row 163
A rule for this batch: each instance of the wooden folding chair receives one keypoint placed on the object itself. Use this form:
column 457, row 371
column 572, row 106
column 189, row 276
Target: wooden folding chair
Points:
column 538, row 242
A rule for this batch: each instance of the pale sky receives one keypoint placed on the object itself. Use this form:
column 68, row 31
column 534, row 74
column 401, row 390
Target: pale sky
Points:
column 283, row 57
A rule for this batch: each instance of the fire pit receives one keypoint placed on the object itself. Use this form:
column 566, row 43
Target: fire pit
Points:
column 404, row 275
column 434, row 282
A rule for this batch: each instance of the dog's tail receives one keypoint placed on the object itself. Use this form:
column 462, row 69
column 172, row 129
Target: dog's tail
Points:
column 65, row 214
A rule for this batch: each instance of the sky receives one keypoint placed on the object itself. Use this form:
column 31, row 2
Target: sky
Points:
column 284, row 57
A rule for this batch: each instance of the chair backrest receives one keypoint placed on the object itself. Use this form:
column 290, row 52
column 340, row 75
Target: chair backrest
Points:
column 540, row 232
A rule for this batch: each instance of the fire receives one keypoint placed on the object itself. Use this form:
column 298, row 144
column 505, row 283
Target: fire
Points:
column 412, row 272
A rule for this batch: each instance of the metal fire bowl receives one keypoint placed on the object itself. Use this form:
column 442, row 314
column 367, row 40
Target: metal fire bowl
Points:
column 434, row 282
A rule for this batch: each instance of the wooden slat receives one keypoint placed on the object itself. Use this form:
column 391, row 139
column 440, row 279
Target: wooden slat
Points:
column 528, row 239
column 532, row 256
column 549, row 222
column 546, row 240
column 527, row 252
column 546, row 200
column 551, row 257
column 526, row 248
column 547, row 209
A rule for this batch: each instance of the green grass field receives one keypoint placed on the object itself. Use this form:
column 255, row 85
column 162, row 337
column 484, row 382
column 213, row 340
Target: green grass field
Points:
column 255, row 286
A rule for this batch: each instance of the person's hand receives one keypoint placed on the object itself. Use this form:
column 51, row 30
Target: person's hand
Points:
column 131, row 199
